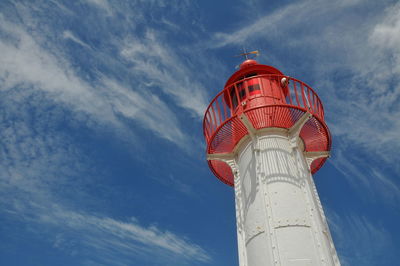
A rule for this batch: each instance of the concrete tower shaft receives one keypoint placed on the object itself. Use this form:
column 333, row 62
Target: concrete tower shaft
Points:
column 280, row 220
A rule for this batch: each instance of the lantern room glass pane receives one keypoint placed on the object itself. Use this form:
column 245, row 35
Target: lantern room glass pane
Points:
column 254, row 87
column 233, row 97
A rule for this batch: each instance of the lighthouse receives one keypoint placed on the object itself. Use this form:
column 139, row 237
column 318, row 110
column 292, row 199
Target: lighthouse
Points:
column 266, row 135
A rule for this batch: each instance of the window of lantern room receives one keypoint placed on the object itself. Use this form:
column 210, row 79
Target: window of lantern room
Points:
column 241, row 90
column 233, row 97
column 254, row 89
column 253, row 84
column 247, row 85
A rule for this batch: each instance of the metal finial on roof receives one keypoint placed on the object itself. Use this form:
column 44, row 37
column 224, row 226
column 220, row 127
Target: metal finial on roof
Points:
column 246, row 54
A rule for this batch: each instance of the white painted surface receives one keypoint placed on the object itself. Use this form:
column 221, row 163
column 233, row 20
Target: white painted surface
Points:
column 280, row 220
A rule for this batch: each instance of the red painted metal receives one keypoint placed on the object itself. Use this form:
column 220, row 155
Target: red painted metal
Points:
column 259, row 92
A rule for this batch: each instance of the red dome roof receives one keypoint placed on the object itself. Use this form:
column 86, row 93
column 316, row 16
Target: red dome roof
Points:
column 247, row 63
column 251, row 66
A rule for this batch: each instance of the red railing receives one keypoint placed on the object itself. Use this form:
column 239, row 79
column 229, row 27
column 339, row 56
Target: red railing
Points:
column 275, row 103
column 226, row 105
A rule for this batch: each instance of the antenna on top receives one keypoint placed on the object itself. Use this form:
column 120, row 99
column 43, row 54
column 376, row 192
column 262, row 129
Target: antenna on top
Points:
column 246, row 54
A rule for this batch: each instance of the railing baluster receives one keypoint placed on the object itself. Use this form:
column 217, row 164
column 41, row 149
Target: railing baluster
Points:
column 208, row 124
column 309, row 100
column 272, row 90
column 213, row 115
column 289, row 91
column 239, row 104
column 230, row 101
column 259, row 80
column 320, row 109
column 224, row 105
column 218, row 111
column 305, row 105
column 315, row 103
column 296, row 93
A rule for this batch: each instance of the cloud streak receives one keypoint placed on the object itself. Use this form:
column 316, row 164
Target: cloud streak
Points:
column 161, row 68
column 40, row 166
column 118, row 242
column 25, row 64
column 47, row 176
column 69, row 35
column 106, row 240
column 359, row 241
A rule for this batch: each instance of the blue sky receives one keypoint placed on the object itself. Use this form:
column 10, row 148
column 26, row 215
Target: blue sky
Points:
column 101, row 102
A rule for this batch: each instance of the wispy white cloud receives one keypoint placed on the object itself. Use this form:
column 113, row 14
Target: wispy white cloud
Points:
column 360, row 241
column 119, row 242
column 254, row 29
column 175, row 183
column 146, row 108
column 162, row 68
column 365, row 110
column 369, row 181
column 103, row 239
column 102, row 4
column 46, row 174
column 24, row 63
column 385, row 34
column 277, row 22
column 42, row 168
column 69, row 35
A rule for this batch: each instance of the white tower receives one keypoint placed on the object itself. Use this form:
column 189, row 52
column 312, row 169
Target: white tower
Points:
column 266, row 135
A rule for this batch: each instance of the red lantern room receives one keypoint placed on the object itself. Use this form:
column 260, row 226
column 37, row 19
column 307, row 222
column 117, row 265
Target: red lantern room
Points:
column 269, row 99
